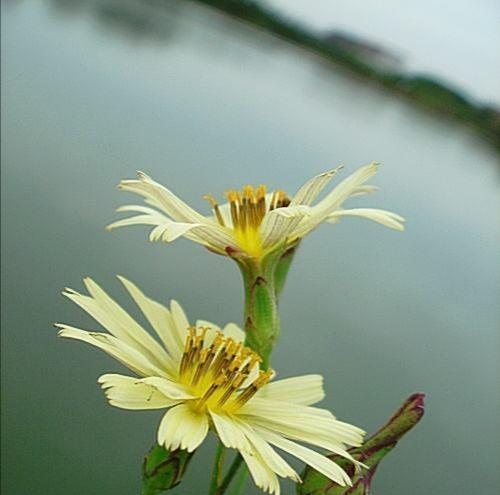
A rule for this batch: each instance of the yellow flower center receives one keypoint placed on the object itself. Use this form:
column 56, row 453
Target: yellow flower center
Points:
column 216, row 373
column 248, row 208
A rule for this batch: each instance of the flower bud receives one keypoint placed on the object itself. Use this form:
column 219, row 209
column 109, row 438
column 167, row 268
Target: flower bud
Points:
column 163, row 469
column 370, row 454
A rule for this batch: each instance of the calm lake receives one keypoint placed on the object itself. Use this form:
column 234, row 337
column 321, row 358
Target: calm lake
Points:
column 93, row 91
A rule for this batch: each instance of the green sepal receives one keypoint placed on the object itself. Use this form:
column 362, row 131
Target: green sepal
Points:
column 370, row 454
column 163, row 469
column 282, row 268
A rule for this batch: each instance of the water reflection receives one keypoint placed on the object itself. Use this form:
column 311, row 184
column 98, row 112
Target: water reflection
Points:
column 203, row 105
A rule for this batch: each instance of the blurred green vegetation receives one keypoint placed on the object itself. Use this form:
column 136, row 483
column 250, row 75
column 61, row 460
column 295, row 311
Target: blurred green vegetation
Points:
column 423, row 91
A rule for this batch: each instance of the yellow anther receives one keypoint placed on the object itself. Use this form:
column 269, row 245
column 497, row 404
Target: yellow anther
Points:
column 211, row 200
column 248, row 193
column 215, row 373
column 261, row 191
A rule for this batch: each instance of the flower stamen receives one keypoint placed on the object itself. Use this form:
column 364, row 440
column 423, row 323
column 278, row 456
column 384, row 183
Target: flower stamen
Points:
column 217, row 373
column 215, row 208
column 248, row 208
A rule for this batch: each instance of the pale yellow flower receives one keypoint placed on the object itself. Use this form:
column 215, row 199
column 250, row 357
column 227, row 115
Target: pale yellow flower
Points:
column 208, row 380
column 251, row 222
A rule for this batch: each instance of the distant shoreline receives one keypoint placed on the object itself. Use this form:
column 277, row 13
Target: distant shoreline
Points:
column 423, row 91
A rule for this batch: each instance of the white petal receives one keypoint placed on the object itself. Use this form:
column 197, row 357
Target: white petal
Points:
column 214, row 236
column 276, row 463
column 137, row 220
column 252, row 376
column 387, row 218
column 160, row 319
column 179, row 318
column 169, row 388
column 305, row 390
column 317, row 461
column 362, row 190
column 334, row 199
column 295, row 420
column 229, row 432
column 295, row 211
column 169, row 231
column 128, row 392
column 261, row 473
column 234, row 331
column 279, row 223
column 117, row 321
column 225, row 211
column 265, row 407
column 328, row 436
column 122, row 352
column 163, row 198
column 310, row 190
column 183, row 428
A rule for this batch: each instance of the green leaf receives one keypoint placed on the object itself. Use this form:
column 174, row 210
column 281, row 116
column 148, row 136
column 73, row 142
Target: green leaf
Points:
column 370, row 453
column 163, row 469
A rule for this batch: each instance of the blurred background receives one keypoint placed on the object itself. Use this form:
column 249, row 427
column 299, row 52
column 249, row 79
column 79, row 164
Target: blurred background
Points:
column 207, row 96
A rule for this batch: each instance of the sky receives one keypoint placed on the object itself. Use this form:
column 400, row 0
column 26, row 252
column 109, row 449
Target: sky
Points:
column 458, row 41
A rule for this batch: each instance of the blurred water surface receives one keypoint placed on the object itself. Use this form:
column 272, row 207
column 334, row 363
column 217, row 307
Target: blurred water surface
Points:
column 93, row 91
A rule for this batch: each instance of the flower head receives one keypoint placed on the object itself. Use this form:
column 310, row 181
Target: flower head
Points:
column 252, row 222
column 208, row 379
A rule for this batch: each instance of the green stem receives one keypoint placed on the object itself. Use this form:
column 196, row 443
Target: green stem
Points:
column 261, row 318
column 239, row 482
column 233, row 469
column 215, row 481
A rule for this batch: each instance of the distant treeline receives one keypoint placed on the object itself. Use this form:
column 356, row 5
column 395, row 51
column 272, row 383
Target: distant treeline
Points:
column 422, row 90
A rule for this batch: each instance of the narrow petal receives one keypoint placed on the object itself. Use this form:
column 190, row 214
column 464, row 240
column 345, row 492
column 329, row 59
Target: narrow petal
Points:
column 179, row 318
column 262, row 474
column 213, row 235
column 305, row 390
column 117, row 321
column 207, row 232
column 334, row 200
column 162, row 198
column 384, row 217
column 252, row 376
column 230, row 434
column 317, row 461
column 340, row 193
column 234, row 331
column 128, row 392
column 260, row 406
column 362, row 190
column 183, row 428
column 169, row 388
column 327, row 435
column 136, row 220
column 169, row 231
column 160, row 319
column 122, row 352
column 275, row 462
column 310, row 190
column 279, row 223
column 294, row 421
